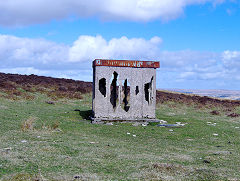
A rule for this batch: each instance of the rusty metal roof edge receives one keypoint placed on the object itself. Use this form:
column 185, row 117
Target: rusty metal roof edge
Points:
column 126, row 60
column 154, row 64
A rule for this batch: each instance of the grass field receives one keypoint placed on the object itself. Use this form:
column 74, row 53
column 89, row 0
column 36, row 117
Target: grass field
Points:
column 41, row 141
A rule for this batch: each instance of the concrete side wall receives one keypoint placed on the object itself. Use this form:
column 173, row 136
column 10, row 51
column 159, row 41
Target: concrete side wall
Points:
column 138, row 106
column 149, row 75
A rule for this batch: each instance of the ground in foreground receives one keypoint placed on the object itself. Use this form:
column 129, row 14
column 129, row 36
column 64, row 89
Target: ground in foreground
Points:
column 43, row 138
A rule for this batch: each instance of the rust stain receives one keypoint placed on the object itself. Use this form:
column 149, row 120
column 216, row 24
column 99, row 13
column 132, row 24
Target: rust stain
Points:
column 126, row 63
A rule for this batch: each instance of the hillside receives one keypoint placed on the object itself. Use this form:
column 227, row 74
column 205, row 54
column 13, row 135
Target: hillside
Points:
column 14, row 84
column 46, row 134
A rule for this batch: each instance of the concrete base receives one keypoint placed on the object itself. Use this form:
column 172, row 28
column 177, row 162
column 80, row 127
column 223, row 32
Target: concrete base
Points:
column 104, row 120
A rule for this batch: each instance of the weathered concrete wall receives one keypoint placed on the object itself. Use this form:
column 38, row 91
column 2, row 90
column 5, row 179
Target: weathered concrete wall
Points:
column 110, row 101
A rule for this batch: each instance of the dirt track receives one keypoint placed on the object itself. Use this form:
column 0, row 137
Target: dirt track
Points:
column 13, row 85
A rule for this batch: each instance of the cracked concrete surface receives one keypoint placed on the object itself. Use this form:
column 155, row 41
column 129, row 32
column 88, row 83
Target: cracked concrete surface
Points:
column 124, row 93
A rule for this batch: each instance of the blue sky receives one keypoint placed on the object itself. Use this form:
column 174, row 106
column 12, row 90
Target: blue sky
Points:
column 196, row 41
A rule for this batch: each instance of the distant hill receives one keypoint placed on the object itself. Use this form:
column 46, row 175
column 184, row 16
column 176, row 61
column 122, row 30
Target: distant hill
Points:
column 191, row 99
column 218, row 93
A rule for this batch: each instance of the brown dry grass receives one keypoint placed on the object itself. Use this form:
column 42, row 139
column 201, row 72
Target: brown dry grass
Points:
column 28, row 124
column 17, row 87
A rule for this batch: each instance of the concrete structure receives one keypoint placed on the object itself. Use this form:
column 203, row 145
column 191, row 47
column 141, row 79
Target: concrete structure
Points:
column 124, row 90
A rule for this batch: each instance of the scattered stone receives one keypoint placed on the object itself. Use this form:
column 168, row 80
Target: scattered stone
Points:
column 206, row 161
column 128, row 133
column 134, row 135
column 77, row 177
column 163, row 122
column 215, row 134
column 170, row 125
column 215, row 113
column 24, row 141
column 181, row 124
column 171, row 130
column 57, row 130
column 145, row 124
column 49, row 102
column 211, row 124
column 92, row 142
column 237, row 127
column 38, row 136
column 136, row 124
column 7, row 149
column 110, row 124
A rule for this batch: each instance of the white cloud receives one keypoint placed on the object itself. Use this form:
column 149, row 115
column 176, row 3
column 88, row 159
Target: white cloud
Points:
column 231, row 62
column 71, row 74
column 23, row 70
column 178, row 69
column 25, row 51
column 186, row 74
column 229, row 55
column 39, row 52
column 24, row 12
column 42, row 57
column 189, row 60
column 89, row 48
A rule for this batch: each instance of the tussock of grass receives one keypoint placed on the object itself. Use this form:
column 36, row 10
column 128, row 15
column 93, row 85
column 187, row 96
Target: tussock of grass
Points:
column 55, row 125
column 28, row 124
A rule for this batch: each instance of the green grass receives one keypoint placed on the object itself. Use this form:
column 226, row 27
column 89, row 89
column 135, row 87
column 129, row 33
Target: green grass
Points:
column 61, row 144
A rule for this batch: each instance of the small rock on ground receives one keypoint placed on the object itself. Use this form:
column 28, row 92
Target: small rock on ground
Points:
column 136, row 124
column 49, row 102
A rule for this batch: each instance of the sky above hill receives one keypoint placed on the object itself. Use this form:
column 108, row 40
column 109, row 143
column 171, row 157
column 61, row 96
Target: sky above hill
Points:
column 196, row 41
